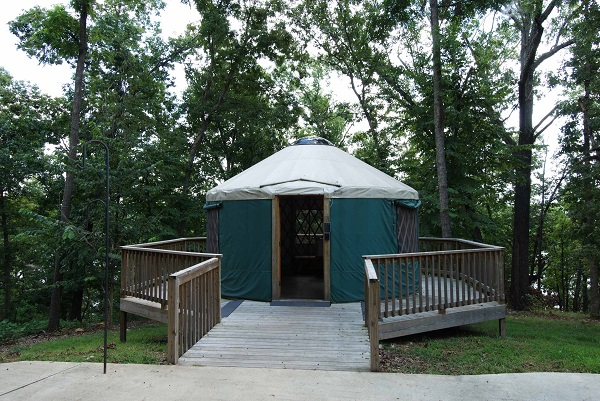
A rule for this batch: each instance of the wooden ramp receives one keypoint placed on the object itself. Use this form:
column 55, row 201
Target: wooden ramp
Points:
column 257, row 334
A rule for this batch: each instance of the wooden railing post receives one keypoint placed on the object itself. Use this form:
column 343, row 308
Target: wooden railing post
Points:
column 372, row 310
column 173, row 321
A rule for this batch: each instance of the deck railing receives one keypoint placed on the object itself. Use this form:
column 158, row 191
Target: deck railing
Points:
column 177, row 276
column 145, row 268
column 455, row 273
column 448, row 273
column 194, row 306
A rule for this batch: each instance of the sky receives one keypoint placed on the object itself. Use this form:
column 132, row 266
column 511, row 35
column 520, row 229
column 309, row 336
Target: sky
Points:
column 51, row 78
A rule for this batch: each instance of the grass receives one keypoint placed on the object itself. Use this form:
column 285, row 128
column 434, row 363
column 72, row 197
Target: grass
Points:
column 534, row 343
column 551, row 342
column 146, row 344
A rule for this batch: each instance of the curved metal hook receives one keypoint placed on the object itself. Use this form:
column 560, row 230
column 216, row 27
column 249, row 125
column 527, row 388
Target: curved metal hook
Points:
column 82, row 165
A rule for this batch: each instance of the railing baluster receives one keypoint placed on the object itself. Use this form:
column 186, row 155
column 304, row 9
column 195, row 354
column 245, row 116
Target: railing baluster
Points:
column 413, row 286
column 426, row 262
column 385, row 286
column 480, row 276
column 457, row 279
column 406, row 292
column 400, row 281
column 420, row 286
column 439, row 282
column 486, row 276
column 393, row 267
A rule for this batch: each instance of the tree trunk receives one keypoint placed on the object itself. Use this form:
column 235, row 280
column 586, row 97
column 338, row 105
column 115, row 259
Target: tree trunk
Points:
column 6, row 260
column 585, row 300
column 531, row 35
column 594, row 290
column 577, row 291
column 519, row 286
column 438, row 121
column 65, row 208
column 77, row 304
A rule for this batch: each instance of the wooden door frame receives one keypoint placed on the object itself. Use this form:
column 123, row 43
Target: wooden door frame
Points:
column 276, row 250
column 326, row 251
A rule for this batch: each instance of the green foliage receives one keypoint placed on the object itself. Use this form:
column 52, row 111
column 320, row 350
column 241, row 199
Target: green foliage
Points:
column 580, row 154
column 50, row 35
column 238, row 106
column 323, row 115
column 10, row 331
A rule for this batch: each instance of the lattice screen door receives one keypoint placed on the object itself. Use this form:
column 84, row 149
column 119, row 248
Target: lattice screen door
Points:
column 301, row 242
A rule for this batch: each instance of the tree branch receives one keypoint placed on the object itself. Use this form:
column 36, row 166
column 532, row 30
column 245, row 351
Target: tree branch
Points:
column 550, row 113
column 552, row 52
column 548, row 10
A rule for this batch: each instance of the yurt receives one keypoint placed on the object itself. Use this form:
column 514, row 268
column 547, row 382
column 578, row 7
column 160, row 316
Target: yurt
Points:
column 296, row 225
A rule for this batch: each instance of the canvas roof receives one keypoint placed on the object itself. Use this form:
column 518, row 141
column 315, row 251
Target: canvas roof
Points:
column 313, row 169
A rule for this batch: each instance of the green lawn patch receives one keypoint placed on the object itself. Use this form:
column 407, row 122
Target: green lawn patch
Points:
column 146, row 344
column 534, row 343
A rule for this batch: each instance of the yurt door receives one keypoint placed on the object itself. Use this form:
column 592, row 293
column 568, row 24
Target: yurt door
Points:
column 301, row 221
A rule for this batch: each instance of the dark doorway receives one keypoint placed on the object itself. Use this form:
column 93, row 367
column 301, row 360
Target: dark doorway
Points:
column 301, row 247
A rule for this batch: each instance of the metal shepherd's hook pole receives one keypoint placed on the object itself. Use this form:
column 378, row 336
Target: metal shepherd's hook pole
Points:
column 106, row 210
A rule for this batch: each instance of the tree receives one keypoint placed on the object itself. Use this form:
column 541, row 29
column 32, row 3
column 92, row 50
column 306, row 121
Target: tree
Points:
column 563, row 251
column 235, row 40
column 25, row 126
column 129, row 107
column 580, row 144
column 323, row 115
column 53, row 36
column 528, row 19
column 476, row 89
column 350, row 36
column 438, row 121
column 126, row 105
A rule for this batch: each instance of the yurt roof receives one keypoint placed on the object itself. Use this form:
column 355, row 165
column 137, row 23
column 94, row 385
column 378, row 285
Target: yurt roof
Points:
column 311, row 167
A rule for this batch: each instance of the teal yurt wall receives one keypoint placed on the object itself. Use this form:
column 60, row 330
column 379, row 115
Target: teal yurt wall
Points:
column 245, row 242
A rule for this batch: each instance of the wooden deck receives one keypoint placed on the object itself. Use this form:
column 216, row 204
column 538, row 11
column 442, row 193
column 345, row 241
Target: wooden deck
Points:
column 257, row 334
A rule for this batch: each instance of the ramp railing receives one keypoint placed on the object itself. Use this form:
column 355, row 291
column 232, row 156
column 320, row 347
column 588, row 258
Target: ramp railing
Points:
column 194, row 306
column 185, row 282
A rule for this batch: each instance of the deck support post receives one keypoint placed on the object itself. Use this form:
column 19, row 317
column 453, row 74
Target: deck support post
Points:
column 123, row 326
column 502, row 327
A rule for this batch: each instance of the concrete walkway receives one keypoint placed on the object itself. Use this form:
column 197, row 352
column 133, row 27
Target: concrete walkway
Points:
column 85, row 381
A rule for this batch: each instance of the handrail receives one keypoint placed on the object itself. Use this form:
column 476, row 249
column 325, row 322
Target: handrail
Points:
column 166, row 251
column 178, row 277
column 193, row 306
column 169, row 242
column 430, row 253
